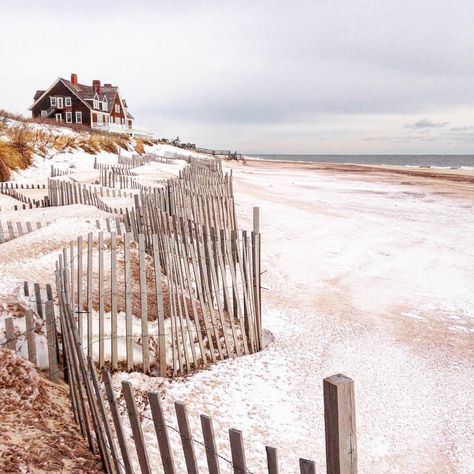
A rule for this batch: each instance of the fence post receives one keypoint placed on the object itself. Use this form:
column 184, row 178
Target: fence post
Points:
column 51, row 338
column 256, row 258
column 340, row 425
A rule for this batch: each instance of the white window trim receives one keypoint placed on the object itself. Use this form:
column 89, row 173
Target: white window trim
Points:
column 52, row 101
column 105, row 106
column 58, row 117
column 68, row 117
column 59, row 102
column 117, row 108
column 68, row 101
column 78, row 117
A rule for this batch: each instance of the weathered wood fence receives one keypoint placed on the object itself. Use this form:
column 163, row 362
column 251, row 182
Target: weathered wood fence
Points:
column 120, row 439
column 12, row 230
column 35, row 336
column 186, row 300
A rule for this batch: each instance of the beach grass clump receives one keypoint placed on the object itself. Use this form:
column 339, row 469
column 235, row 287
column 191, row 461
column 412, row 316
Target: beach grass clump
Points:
column 13, row 156
column 139, row 146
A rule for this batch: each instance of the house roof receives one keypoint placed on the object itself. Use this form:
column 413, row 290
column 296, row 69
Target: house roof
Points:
column 86, row 93
column 38, row 94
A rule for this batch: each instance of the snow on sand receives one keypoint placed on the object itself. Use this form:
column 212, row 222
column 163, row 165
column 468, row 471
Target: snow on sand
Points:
column 366, row 276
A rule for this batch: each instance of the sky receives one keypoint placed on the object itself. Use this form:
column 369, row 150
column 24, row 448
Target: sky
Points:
column 303, row 77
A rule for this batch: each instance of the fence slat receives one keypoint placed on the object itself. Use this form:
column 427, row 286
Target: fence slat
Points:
column 272, row 460
column 161, row 433
column 101, row 300
column 143, row 304
column 51, row 337
column 210, row 443
column 103, row 415
column 307, row 467
column 159, row 308
column 10, row 334
column 113, row 299
column 129, row 396
column 117, row 421
column 128, row 302
column 39, row 306
column 186, row 438
column 89, row 293
column 237, row 449
column 30, row 336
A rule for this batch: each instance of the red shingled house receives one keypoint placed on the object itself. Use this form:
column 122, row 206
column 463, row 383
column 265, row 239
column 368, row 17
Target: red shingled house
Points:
column 96, row 106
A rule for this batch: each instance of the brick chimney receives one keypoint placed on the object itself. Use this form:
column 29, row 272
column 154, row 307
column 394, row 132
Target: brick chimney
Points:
column 96, row 85
column 74, row 79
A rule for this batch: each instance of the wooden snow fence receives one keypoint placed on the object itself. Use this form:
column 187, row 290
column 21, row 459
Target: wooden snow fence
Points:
column 186, row 299
column 116, row 429
column 14, row 190
column 11, row 230
column 137, row 160
column 39, row 319
column 65, row 193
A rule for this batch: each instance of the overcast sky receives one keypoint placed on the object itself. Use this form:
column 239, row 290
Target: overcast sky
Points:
column 316, row 76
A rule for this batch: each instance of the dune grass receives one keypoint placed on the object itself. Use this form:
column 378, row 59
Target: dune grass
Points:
column 21, row 138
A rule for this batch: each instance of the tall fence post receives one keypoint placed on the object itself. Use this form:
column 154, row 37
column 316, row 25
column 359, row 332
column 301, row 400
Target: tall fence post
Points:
column 51, row 337
column 340, row 425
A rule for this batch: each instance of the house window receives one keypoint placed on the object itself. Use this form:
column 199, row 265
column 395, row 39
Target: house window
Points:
column 44, row 113
column 53, row 101
column 68, row 117
column 78, row 117
column 68, row 102
column 105, row 106
column 59, row 117
column 59, row 102
column 117, row 120
column 117, row 108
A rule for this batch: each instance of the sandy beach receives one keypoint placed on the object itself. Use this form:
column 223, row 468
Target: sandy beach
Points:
column 368, row 273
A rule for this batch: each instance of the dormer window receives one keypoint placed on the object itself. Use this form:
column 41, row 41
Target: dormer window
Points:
column 96, row 101
column 105, row 105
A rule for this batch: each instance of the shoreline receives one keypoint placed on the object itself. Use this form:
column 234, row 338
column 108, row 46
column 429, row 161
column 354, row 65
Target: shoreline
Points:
column 459, row 175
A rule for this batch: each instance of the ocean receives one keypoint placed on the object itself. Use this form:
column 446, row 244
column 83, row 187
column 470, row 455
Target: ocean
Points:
column 436, row 161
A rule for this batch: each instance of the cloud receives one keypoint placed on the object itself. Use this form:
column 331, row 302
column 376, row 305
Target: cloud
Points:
column 260, row 83
column 467, row 128
column 425, row 123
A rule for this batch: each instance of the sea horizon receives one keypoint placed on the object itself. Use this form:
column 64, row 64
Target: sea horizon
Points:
column 416, row 160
